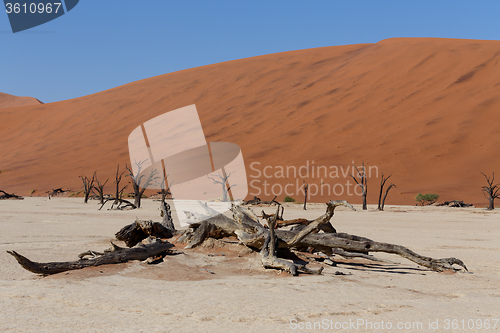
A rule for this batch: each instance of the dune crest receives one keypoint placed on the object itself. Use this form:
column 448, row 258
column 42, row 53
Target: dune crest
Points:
column 11, row 101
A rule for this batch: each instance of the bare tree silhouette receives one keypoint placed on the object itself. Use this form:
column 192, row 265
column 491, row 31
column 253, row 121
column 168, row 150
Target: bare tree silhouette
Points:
column 361, row 183
column 137, row 181
column 99, row 188
column 381, row 201
column 87, row 186
column 222, row 180
column 118, row 199
column 491, row 192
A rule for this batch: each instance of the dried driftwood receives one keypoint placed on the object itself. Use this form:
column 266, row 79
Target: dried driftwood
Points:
column 455, row 203
column 134, row 233
column 6, row 195
column 247, row 227
column 115, row 255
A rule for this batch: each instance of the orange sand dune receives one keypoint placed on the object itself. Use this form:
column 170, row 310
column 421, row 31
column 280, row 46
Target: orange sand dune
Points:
column 10, row 101
column 424, row 110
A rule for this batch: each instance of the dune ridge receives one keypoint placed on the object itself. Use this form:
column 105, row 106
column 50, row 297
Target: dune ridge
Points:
column 421, row 109
column 11, row 101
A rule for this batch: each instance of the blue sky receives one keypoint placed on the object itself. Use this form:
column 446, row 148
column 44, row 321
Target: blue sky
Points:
column 102, row 44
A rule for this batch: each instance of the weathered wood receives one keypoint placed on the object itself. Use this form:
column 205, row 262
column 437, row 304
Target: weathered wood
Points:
column 492, row 191
column 99, row 188
column 246, row 226
column 456, row 204
column 269, row 249
column 6, row 195
column 257, row 201
column 328, row 242
column 323, row 219
column 137, row 182
column 87, row 186
column 254, row 201
column 118, row 199
column 355, row 243
column 362, row 183
column 120, row 204
column 115, row 255
column 134, row 233
column 381, row 200
column 166, row 214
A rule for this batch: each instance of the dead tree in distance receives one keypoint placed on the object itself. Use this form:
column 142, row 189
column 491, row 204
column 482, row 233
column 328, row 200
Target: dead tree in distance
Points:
column 87, row 186
column 137, row 182
column 361, row 183
column 491, row 192
column 306, row 187
column 118, row 199
column 224, row 183
column 381, row 201
column 99, row 188
column 6, row 195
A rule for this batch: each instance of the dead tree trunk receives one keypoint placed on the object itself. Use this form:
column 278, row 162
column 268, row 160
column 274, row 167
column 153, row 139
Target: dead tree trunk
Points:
column 491, row 192
column 362, row 183
column 305, row 196
column 118, row 199
column 226, row 188
column 87, row 186
column 6, row 195
column 99, row 188
column 115, row 255
column 166, row 213
column 269, row 250
column 381, row 201
column 137, row 182
column 134, row 233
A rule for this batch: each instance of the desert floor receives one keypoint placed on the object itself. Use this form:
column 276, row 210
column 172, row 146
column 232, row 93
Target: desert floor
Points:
column 182, row 295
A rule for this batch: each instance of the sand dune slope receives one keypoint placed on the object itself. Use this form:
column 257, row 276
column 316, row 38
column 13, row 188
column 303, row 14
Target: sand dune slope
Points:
column 423, row 110
column 11, row 101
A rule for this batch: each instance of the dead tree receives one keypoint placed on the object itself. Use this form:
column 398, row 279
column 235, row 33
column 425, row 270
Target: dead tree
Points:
column 246, row 226
column 134, row 233
column 6, row 195
column 56, row 192
column 115, row 255
column 99, row 188
column 165, row 211
column 491, row 192
column 87, row 186
column 118, row 199
column 306, row 187
column 381, row 201
column 254, row 201
column 137, row 182
column 361, row 183
column 456, row 204
column 222, row 180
